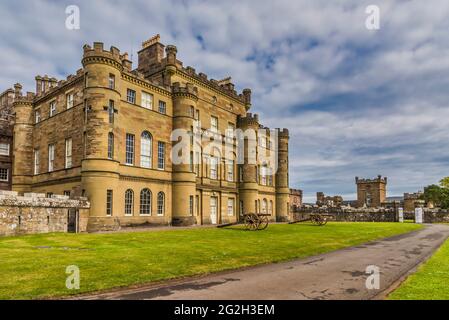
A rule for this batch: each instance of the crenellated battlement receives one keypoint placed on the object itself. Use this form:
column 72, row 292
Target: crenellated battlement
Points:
column 188, row 90
column 249, row 120
column 379, row 179
column 283, row 132
column 97, row 54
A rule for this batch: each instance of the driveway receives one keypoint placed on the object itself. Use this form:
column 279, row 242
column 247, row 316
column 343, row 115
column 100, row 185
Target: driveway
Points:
column 336, row 275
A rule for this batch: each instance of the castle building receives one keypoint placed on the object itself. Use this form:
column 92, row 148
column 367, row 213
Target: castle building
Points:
column 330, row 201
column 6, row 134
column 295, row 199
column 371, row 192
column 106, row 133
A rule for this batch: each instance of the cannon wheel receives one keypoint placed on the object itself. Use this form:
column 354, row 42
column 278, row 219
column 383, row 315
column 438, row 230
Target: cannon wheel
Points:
column 319, row 220
column 263, row 222
column 252, row 222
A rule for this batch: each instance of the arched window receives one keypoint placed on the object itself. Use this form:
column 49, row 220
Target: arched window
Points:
column 145, row 149
column 270, row 208
column 258, row 206
column 110, row 145
column 129, row 202
column 264, row 205
column 145, row 202
column 160, row 204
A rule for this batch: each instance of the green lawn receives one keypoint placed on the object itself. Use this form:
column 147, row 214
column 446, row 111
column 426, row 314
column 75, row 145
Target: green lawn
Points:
column 34, row 266
column 430, row 282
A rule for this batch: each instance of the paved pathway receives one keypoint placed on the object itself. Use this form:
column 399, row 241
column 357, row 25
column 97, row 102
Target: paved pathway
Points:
column 336, row 275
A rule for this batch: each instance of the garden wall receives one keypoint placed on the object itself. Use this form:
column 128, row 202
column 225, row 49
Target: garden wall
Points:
column 34, row 213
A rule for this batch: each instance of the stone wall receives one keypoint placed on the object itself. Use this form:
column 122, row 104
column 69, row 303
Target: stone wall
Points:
column 350, row 214
column 436, row 216
column 33, row 213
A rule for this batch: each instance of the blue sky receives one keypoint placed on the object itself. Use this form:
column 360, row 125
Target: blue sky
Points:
column 357, row 102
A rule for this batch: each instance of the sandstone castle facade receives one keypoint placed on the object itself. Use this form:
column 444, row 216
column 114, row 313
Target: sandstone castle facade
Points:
column 105, row 134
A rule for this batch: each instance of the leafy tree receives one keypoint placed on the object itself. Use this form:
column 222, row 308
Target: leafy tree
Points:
column 438, row 194
column 444, row 183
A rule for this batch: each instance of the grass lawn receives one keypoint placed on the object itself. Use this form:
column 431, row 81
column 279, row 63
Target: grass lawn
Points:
column 431, row 280
column 34, row 266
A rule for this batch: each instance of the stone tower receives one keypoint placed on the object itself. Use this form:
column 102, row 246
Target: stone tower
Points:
column 248, row 186
column 100, row 173
column 282, row 186
column 23, row 144
column 371, row 192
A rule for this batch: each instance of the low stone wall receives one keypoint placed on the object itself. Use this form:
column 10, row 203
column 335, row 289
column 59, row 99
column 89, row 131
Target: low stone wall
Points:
column 34, row 213
column 350, row 214
column 436, row 216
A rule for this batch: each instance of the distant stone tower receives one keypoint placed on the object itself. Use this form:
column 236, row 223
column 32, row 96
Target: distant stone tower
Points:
column 371, row 192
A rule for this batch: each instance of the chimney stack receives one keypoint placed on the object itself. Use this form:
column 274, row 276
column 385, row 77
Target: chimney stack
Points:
column 38, row 85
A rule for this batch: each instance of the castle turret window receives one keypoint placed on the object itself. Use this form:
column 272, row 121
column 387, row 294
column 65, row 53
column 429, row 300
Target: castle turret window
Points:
column 111, row 81
column 109, row 198
column 111, row 111
column 110, row 145
column 230, row 170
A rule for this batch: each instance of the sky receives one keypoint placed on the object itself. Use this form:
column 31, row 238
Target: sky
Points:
column 357, row 102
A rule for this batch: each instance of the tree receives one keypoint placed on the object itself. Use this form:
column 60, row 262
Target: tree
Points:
column 438, row 194
column 444, row 183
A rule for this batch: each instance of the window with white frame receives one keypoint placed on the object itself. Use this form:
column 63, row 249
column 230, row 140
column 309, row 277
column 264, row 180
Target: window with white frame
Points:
column 36, row 161
column 68, row 153
column 52, row 108
column 145, row 149
column 213, row 167
column 4, row 174
column 109, row 199
column 145, row 202
column 4, row 149
column 69, row 99
column 129, row 202
column 131, row 96
column 192, row 111
column 230, row 207
column 230, row 175
column 111, row 111
column 51, row 157
column 162, row 107
column 213, row 124
column 110, row 145
column 160, row 204
column 230, row 131
column 263, row 175
column 161, row 155
column 37, row 116
column 129, row 156
column 264, row 206
column 147, row 100
column 270, row 208
column 111, row 81
column 191, row 205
